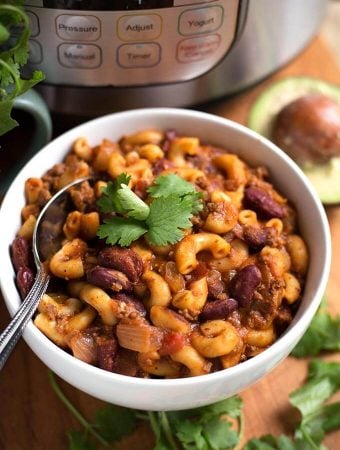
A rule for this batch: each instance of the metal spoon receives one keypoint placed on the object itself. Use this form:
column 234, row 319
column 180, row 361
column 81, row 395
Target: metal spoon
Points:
column 44, row 244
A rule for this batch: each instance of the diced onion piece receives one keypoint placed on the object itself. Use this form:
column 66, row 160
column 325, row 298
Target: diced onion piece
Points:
column 139, row 337
column 83, row 347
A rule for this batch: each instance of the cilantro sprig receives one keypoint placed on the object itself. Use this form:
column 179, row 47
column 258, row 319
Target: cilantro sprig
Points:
column 318, row 417
column 14, row 53
column 173, row 202
column 214, row 427
column 323, row 334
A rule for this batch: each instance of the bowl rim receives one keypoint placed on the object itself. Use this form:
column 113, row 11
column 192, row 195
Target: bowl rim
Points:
column 36, row 338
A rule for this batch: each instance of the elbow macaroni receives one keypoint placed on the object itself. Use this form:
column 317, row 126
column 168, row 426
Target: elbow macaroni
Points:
column 169, row 300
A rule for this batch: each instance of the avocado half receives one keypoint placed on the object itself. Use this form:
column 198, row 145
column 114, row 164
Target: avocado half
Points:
column 324, row 177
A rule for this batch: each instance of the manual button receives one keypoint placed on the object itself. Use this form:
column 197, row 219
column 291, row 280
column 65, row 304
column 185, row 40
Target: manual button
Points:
column 79, row 56
column 141, row 27
column 78, row 28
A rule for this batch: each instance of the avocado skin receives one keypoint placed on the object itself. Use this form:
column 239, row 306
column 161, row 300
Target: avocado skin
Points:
column 325, row 177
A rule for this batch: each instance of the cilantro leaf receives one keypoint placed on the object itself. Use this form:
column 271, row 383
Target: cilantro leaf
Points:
column 113, row 422
column 14, row 55
column 132, row 204
column 108, row 201
column 322, row 334
column 170, row 184
column 269, row 442
column 168, row 217
column 78, row 441
column 219, row 434
column 118, row 230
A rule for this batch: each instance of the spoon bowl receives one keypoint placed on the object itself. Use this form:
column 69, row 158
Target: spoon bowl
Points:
column 45, row 243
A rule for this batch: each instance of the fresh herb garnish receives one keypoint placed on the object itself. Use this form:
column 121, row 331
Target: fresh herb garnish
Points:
column 317, row 416
column 173, row 203
column 323, row 334
column 14, row 53
column 213, row 427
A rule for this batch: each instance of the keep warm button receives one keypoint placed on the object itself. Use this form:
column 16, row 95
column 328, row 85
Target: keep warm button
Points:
column 197, row 49
column 79, row 56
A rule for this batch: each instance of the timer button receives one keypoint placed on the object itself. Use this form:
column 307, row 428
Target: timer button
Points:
column 80, row 56
column 78, row 28
column 138, row 55
column 200, row 20
column 141, row 27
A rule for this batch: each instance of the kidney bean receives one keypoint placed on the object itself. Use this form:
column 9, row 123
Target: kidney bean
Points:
column 108, row 278
column 256, row 237
column 106, row 352
column 123, row 259
column 169, row 136
column 25, row 280
column 244, row 283
column 133, row 301
column 20, row 253
column 218, row 309
column 262, row 203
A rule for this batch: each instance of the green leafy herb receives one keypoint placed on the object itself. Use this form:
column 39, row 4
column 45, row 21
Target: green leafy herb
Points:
column 205, row 428
column 114, row 422
column 122, row 231
column 78, row 441
column 174, row 201
column 14, row 52
column 168, row 217
column 323, row 334
column 172, row 184
column 317, row 416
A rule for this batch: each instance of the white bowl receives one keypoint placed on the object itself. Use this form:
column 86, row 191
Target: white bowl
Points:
column 175, row 394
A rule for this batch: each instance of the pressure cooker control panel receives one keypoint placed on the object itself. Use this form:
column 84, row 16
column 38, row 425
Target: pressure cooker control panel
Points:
column 137, row 43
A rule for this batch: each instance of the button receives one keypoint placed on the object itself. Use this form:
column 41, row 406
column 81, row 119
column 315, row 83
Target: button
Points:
column 34, row 23
column 141, row 27
column 80, row 56
column 78, row 28
column 190, row 2
column 139, row 55
column 196, row 49
column 200, row 20
column 36, row 54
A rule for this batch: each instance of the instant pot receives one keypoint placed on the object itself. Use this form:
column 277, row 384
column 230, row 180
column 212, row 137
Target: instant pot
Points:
column 100, row 56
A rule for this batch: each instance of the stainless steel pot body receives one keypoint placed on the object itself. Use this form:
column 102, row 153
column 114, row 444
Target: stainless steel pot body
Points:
column 242, row 42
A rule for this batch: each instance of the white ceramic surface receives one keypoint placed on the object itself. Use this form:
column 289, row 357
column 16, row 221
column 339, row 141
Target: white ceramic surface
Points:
column 182, row 393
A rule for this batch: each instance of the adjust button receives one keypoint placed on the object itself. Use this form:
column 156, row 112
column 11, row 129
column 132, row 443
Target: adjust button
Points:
column 139, row 55
column 80, row 56
column 141, row 27
column 200, row 20
column 78, row 28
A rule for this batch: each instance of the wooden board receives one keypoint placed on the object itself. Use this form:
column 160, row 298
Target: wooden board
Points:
column 32, row 418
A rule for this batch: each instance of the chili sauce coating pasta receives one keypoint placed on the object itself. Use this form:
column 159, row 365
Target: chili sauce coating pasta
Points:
column 222, row 294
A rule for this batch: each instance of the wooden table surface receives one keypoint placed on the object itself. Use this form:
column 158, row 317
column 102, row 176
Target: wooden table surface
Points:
column 32, row 418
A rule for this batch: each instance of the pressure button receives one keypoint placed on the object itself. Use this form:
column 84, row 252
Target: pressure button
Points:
column 78, row 28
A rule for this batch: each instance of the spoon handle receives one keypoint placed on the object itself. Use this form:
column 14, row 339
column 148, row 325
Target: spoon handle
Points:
column 12, row 333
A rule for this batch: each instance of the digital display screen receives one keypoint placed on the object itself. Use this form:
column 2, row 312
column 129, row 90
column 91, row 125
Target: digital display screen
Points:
column 108, row 5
